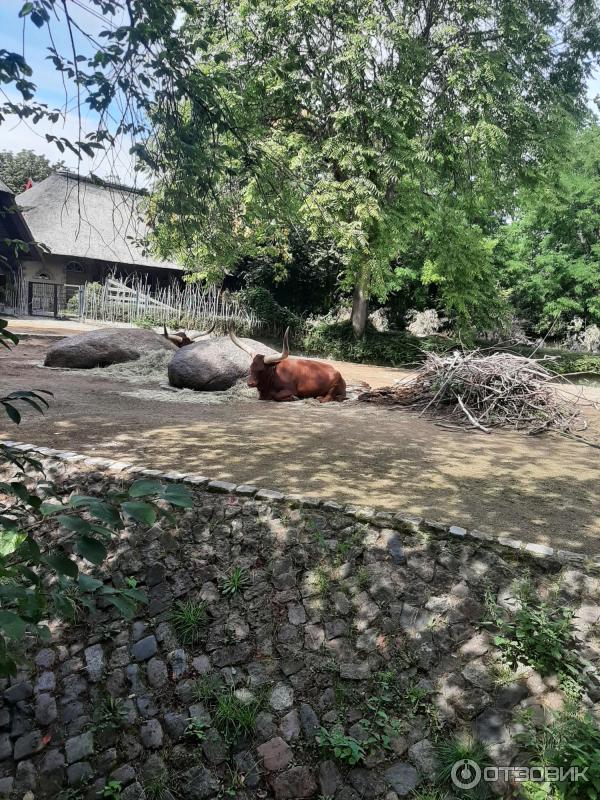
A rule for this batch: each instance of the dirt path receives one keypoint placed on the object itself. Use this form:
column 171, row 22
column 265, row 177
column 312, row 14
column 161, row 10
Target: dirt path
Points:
column 543, row 489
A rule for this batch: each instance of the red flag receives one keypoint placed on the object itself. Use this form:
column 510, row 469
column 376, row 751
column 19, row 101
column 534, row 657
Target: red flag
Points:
column 28, row 184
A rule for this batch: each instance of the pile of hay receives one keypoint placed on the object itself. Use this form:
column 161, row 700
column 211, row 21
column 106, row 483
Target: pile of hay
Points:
column 149, row 367
column 484, row 391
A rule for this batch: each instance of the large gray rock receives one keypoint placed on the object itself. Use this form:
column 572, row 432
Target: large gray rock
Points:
column 104, row 347
column 212, row 365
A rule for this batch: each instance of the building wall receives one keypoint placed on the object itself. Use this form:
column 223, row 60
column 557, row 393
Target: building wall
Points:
column 52, row 270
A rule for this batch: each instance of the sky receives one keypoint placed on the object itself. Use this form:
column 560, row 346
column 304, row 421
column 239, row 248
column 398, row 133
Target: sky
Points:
column 17, row 135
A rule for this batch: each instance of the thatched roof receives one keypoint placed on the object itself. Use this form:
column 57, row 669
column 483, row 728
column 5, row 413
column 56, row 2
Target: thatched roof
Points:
column 84, row 218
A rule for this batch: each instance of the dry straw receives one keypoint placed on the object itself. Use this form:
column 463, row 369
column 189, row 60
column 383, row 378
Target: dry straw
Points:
column 485, row 391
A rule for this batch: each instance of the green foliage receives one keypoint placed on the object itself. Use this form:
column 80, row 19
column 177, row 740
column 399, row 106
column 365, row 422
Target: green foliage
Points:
column 16, row 168
column 196, row 730
column 233, row 717
column 156, row 787
column 235, row 581
column 208, row 687
column 393, row 142
column 462, row 749
column 261, row 301
column 549, row 257
column 39, row 578
column 189, row 618
column 429, row 794
column 109, row 715
column 344, row 748
column 112, row 790
column 571, row 740
column 536, row 633
column 396, row 349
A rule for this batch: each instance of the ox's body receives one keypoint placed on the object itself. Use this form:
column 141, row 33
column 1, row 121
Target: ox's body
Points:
column 299, row 378
column 279, row 377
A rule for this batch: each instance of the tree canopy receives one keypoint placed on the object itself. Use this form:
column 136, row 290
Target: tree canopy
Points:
column 549, row 257
column 396, row 134
column 17, row 168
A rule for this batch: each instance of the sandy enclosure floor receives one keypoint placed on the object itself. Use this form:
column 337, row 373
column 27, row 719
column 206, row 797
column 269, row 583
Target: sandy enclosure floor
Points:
column 544, row 488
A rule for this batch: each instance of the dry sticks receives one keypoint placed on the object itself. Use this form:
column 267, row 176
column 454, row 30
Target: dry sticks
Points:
column 485, row 391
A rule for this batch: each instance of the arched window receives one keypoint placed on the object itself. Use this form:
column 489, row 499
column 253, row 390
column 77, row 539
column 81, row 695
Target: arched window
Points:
column 75, row 266
column 43, row 276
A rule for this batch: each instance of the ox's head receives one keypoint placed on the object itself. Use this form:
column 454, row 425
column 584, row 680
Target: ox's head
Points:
column 261, row 365
column 181, row 339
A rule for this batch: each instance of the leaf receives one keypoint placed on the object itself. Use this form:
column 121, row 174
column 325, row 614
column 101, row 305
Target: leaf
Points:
column 12, row 412
column 105, row 513
column 126, row 607
column 12, row 624
column 62, row 564
column 75, row 524
column 178, row 495
column 87, row 583
column 26, row 9
column 47, row 508
column 142, row 512
column 142, row 488
column 9, row 542
column 91, row 549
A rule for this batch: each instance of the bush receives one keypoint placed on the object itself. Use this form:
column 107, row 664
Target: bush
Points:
column 269, row 311
column 537, row 634
column 565, row 362
column 387, row 349
column 571, row 740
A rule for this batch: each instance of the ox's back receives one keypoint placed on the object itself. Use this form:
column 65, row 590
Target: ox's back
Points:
column 308, row 378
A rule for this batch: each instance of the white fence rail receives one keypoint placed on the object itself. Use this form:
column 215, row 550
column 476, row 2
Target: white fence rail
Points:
column 190, row 306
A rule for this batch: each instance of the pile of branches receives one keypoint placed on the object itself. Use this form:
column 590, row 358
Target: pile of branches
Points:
column 484, row 391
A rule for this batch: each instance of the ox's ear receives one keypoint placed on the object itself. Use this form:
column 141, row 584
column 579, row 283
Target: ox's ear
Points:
column 277, row 357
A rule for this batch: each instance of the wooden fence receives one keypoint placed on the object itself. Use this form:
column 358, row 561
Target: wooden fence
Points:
column 191, row 305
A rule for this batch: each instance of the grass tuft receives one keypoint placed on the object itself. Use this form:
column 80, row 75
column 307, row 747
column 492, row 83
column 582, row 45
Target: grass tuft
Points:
column 189, row 618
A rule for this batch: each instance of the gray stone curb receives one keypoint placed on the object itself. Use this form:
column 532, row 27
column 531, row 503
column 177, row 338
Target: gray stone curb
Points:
column 381, row 519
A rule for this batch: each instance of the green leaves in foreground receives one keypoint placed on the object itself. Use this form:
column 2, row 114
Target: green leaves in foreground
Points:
column 87, row 525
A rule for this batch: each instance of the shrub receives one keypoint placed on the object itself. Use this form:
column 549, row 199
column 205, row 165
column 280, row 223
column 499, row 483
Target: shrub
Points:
column 572, row 740
column 40, row 578
column 343, row 747
column 537, row 634
column 388, row 349
column 262, row 302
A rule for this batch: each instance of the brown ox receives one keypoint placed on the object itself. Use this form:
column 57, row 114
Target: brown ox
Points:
column 278, row 377
column 181, row 339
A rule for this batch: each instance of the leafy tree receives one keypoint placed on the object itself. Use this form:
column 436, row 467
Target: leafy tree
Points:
column 16, row 168
column 395, row 132
column 42, row 576
column 549, row 256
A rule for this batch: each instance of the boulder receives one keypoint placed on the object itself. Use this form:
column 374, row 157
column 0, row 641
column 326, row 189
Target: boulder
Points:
column 212, row 365
column 104, row 347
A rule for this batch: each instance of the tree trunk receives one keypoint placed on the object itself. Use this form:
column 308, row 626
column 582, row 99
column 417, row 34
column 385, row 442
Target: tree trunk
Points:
column 360, row 306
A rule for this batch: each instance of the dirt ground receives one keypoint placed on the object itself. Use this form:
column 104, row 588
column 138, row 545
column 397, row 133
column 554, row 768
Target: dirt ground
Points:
column 543, row 489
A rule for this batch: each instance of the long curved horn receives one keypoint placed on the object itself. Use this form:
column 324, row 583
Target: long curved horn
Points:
column 240, row 344
column 171, row 337
column 277, row 357
column 202, row 333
